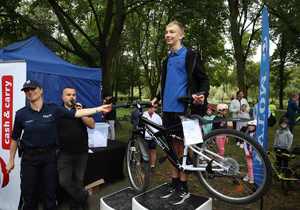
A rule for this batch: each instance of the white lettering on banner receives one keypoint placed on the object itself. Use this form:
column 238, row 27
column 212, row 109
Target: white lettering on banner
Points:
column 265, row 47
column 6, row 127
column 262, row 108
column 8, row 91
column 7, row 109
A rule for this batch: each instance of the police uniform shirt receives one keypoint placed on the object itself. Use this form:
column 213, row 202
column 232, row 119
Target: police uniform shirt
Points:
column 39, row 127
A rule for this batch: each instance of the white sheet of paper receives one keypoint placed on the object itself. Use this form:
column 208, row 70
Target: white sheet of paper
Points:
column 98, row 135
column 192, row 132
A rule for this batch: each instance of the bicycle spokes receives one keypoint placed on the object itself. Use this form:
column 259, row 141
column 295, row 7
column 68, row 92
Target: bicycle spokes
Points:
column 137, row 166
column 230, row 168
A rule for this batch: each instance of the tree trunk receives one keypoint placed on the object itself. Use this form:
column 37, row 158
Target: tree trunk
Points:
column 140, row 91
column 281, row 86
column 283, row 55
column 106, row 64
column 240, row 65
column 236, row 36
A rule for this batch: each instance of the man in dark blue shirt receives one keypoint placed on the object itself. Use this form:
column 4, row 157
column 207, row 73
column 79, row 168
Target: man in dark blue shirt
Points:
column 181, row 76
column 35, row 130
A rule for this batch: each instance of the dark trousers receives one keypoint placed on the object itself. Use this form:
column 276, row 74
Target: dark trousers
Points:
column 71, row 170
column 38, row 179
column 282, row 159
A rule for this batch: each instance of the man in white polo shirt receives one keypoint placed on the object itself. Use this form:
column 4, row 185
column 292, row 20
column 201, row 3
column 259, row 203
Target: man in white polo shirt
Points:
column 154, row 117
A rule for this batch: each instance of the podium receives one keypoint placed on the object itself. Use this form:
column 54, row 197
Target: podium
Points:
column 128, row 199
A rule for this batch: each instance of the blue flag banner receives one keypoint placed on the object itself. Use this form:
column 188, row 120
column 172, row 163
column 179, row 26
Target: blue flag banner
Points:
column 263, row 101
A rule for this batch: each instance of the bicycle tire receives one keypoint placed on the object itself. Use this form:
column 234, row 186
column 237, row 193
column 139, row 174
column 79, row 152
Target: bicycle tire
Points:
column 137, row 163
column 236, row 179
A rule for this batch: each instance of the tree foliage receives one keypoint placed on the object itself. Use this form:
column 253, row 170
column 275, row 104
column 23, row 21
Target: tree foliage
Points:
column 126, row 38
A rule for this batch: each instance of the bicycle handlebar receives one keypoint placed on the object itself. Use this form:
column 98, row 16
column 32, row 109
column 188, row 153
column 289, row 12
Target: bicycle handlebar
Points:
column 136, row 104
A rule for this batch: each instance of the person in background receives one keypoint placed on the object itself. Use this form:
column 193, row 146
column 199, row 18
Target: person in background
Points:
column 243, row 115
column 151, row 115
column 236, row 103
column 251, row 129
column 235, row 108
column 207, row 127
column 272, row 114
column 293, row 110
column 220, row 122
column 110, row 118
column 73, row 155
column 283, row 142
column 35, row 131
column 299, row 99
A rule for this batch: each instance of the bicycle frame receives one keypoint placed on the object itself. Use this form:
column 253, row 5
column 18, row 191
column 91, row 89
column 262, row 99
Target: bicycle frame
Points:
column 279, row 175
column 160, row 137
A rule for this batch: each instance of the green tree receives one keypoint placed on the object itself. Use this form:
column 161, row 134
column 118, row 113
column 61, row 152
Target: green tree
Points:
column 204, row 23
column 285, row 32
column 243, row 18
column 71, row 26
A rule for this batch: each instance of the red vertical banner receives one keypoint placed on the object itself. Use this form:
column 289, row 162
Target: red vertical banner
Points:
column 7, row 110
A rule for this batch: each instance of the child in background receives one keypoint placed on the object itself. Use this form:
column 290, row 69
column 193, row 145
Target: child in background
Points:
column 221, row 123
column 244, row 115
column 207, row 127
column 242, row 125
column 151, row 115
column 251, row 128
column 283, row 142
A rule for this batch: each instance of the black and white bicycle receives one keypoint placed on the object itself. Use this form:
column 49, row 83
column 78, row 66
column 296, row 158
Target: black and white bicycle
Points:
column 221, row 174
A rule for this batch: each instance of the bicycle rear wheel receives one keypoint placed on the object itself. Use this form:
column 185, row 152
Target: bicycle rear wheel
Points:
column 137, row 162
column 227, row 166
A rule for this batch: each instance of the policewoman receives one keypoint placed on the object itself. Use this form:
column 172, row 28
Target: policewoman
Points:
column 35, row 129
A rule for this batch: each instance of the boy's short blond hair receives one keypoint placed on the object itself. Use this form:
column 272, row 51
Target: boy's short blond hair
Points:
column 179, row 24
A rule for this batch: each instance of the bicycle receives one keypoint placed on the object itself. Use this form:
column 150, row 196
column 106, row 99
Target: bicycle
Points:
column 222, row 176
column 285, row 175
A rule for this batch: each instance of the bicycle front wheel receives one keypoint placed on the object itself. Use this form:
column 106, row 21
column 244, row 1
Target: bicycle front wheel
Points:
column 137, row 162
column 235, row 174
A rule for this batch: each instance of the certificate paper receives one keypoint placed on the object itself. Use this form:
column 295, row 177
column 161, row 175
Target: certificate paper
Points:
column 191, row 130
